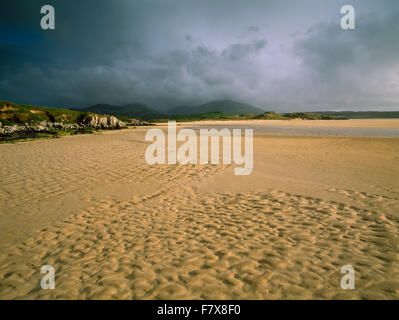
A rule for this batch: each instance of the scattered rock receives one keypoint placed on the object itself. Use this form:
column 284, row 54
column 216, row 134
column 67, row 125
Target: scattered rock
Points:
column 102, row 122
column 135, row 122
column 93, row 121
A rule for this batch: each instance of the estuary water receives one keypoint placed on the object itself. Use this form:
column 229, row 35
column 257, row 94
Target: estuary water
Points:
column 306, row 130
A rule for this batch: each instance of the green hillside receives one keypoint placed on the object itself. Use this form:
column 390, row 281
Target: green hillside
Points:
column 269, row 115
column 362, row 114
column 223, row 106
column 21, row 122
column 207, row 116
column 133, row 110
column 13, row 113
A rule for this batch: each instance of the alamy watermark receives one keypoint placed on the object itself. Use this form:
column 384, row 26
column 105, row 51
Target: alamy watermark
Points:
column 348, row 280
column 48, row 20
column 187, row 153
column 48, row 280
column 347, row 22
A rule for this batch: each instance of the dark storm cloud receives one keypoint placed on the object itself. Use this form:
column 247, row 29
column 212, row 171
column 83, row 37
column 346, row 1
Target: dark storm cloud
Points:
column 174, row 52
column 358, row 68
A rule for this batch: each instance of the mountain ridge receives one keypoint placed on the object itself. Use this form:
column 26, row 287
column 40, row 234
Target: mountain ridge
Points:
column 132, row 110
column 142, row 111
column 227, row 106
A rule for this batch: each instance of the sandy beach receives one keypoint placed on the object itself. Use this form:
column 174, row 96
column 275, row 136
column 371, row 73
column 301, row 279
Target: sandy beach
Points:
column 115, row 227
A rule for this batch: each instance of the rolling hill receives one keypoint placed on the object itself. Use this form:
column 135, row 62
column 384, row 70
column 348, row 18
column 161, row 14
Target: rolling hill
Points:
column 226, row 106
column 24, row 121
column 268, row 115
column 132, row 110
column 13, row 113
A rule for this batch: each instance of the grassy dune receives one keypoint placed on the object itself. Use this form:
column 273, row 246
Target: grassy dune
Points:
column 14, row 113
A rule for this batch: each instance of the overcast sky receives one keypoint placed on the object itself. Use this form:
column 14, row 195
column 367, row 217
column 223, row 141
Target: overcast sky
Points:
column 282, row 55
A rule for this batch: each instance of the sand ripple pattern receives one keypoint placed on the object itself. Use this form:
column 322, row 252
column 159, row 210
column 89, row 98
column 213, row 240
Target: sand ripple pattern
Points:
column 263, row 245
column 115, row 228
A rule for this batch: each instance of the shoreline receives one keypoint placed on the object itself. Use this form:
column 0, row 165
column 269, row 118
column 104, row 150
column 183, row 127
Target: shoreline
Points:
column 349, row 123
column 368, row 123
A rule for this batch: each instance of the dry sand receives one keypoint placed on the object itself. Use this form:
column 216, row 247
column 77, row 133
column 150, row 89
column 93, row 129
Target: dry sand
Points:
column 114, row 227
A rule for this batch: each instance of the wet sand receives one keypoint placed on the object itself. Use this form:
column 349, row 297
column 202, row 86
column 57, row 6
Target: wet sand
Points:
column 114, row 227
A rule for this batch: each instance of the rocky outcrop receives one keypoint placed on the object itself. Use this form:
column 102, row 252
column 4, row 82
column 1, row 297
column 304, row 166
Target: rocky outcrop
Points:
column 90, row 121
column 102, row 122
column 41, row 127
column 135, row 122
column 87, row 123
column 106, row 121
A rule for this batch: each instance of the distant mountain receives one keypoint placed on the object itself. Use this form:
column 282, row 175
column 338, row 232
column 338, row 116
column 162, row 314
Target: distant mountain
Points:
column 133, row 110
column 226, row 106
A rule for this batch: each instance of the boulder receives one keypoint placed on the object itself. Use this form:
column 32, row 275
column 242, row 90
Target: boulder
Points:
column 135, row 122
column 102, row 121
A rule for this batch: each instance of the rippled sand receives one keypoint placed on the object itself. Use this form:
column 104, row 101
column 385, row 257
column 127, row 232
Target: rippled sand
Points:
column 114, row 227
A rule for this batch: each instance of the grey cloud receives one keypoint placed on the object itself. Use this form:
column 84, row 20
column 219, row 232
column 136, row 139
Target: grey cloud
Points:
column 328, row 47
column 241, row 50
column 252, row 29
column 177, row 76
column 166, row 53
column 354, row 68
